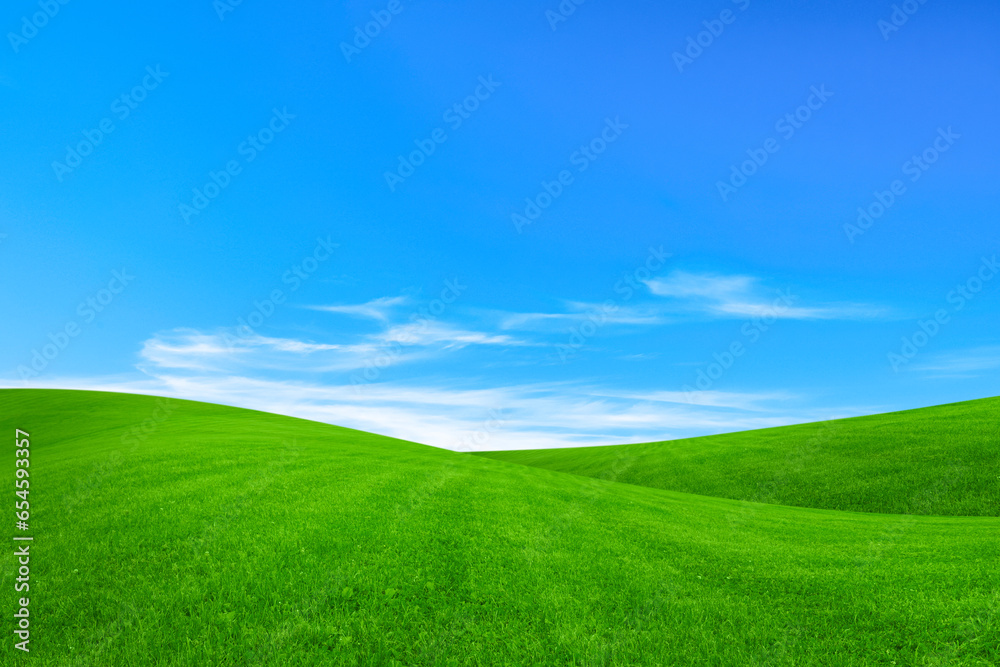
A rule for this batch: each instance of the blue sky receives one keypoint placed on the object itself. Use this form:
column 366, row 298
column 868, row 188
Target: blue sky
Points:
column 493, row 225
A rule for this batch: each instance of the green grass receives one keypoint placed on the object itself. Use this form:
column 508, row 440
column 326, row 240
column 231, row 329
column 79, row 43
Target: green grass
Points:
column 883, row 463
column 233, row 537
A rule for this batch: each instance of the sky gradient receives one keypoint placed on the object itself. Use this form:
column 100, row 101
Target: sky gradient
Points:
column 493, row 226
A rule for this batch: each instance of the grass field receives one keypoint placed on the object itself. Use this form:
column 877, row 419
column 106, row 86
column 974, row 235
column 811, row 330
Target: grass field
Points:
column 221, row 536
column 943, row 460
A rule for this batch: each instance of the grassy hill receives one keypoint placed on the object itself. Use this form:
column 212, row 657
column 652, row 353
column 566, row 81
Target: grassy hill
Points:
column 943, row 460
column 181, row 533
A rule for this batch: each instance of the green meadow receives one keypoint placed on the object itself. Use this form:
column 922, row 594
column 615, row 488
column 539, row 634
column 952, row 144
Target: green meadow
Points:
column 942, row 460
column 183, row 533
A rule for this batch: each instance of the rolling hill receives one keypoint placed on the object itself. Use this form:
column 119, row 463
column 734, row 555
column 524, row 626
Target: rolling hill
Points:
column 172, row 532
column 943, row 460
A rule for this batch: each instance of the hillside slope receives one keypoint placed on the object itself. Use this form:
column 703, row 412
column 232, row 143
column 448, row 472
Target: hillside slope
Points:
column 222, row 536
column 943, row 460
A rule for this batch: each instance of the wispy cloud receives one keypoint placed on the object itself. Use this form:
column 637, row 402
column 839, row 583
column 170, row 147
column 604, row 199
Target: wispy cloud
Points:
column 962, row 363
column 577, row 311
column 743, row 297
column 280, row 374
column 747, row 401
column 299, row 377
column 532, row 416
column 222, row 351
column 683, row 295
column 193, row 350
column 717, row 288
column 442, row 335
column 377, row 309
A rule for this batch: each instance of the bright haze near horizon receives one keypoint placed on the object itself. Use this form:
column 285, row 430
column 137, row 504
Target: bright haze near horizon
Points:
column 505, row 225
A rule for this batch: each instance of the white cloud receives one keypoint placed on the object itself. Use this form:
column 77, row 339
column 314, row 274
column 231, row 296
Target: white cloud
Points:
column 490, row 418
column 750, row 402
column 226, row 351
column 376, row 309
column 193, row 350
column 443, row 335
column 580, row 312
column 278, row 374
column 683, row 285
column 689, row 294
column 962, row 363
column 741, row 297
